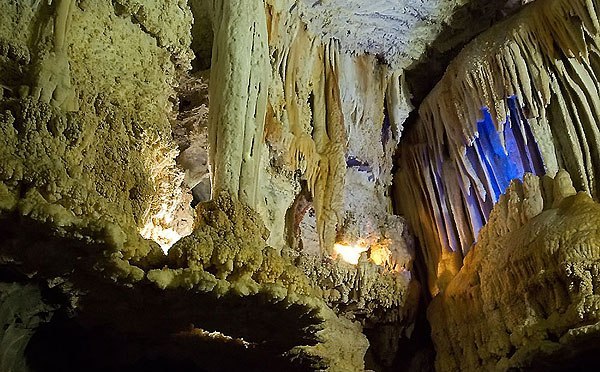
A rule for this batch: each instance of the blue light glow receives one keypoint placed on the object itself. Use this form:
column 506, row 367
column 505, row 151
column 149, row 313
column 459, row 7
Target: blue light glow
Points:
column 498, row 162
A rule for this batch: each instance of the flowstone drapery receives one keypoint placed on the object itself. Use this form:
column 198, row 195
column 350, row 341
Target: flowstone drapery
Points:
column 527, row 295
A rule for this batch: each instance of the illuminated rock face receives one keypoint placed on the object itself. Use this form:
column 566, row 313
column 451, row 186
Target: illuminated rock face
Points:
column 333, row 122
column 527, row 295
column 86, row 142
column 89, row 172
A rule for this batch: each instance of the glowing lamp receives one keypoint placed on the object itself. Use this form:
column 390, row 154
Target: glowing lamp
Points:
column 349, row 253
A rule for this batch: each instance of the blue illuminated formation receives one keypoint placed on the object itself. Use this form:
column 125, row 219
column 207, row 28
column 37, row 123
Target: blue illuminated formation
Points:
column 497, row 164
column 499, row 154
column 500, row 167
column 504, row 163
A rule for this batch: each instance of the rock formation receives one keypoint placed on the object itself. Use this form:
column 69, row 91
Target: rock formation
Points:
column 526, row 294
column 535, row 76
column 235, row 184
column 89, row 170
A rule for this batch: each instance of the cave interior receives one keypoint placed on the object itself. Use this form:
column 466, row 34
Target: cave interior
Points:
column 299, row 185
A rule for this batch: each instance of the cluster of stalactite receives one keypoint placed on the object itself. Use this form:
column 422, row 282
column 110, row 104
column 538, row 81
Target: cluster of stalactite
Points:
column 307, row 113
column 522, row 97
column 303, row 119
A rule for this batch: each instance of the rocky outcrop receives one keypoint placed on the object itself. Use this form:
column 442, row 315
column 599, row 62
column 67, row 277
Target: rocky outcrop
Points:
column 227, row 255
column 88, row 163
column 381, row 297
column 527, row 295
column 220, row 288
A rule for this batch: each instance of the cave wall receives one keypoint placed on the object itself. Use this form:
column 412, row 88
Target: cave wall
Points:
column 85, row 122
column 316, row 116
column 90, row 173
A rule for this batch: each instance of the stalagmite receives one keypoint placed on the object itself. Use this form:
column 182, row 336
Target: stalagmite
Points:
column 526, row 286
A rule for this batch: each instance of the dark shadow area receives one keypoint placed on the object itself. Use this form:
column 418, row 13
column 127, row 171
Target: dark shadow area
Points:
column 581, row 355
column 65, row 344
column 202, row 35
column 116, row 326
column 417, row 353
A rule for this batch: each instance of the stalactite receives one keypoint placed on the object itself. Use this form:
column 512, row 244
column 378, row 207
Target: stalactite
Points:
column 333, row 122
column 53, row 74
column 327, row 106
column 331, row 145
column 321, row 154
column 537, row 74
column 84, row 183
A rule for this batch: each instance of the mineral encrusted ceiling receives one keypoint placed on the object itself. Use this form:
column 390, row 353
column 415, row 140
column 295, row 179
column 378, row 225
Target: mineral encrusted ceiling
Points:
column 399, row 32
column 395, row 31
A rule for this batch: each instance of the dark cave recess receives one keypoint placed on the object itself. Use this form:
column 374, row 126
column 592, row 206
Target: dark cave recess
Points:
column 116, row 325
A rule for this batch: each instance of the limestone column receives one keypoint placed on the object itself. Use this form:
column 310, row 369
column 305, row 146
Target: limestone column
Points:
column 239, row 78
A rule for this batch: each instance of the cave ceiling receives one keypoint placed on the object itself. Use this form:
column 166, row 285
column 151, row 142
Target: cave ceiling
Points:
column 392, row 30
column 399, row 32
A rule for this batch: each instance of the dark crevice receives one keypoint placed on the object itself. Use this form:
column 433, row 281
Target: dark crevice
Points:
column 106, row 325
column 293, row 217
column 202, row 35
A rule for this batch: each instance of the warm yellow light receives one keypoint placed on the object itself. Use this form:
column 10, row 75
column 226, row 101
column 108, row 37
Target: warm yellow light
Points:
column 349, row 253
column 380, row 255
column 165, row 237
